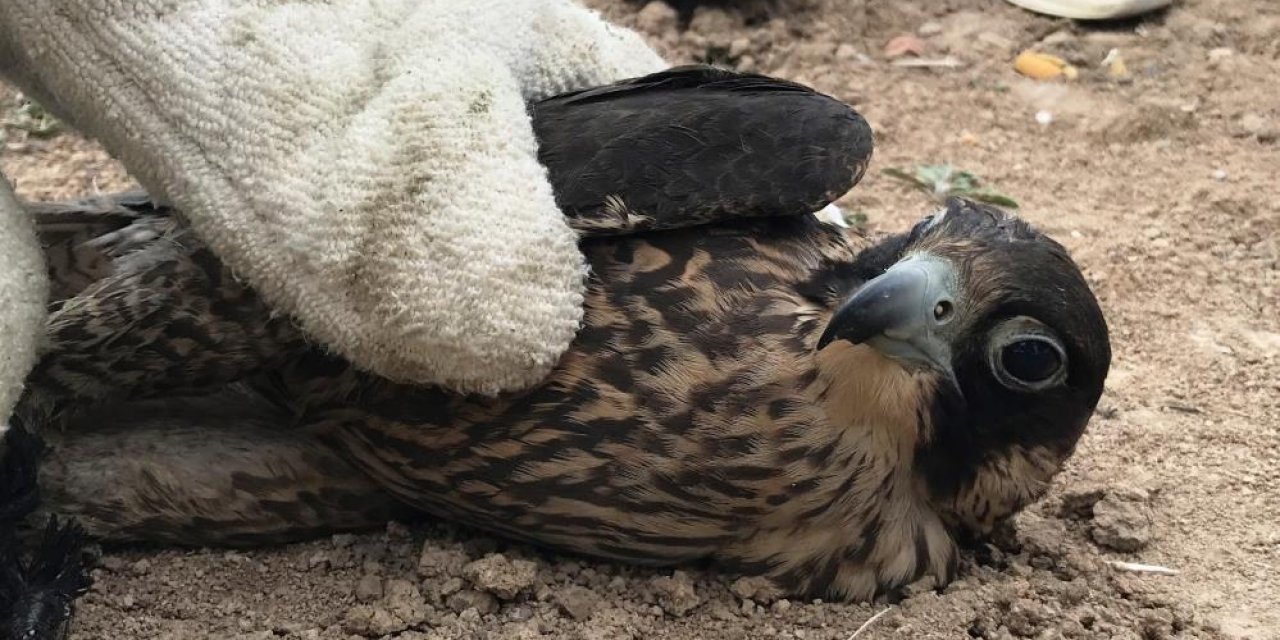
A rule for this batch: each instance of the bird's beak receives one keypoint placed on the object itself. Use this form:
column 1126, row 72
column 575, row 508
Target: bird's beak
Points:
column 904, row 313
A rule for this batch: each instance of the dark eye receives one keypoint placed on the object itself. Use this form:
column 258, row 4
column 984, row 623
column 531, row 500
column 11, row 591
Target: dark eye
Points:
column 1031, row 360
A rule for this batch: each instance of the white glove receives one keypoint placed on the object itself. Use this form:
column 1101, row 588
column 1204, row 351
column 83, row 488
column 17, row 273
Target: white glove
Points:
column 24, row 288
column 367, row 165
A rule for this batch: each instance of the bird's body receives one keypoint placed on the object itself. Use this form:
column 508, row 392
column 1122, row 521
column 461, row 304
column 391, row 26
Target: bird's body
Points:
column 694, row 417
column 776, row 395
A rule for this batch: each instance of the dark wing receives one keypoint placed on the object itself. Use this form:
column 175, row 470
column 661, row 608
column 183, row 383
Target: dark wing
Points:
column 697, row 144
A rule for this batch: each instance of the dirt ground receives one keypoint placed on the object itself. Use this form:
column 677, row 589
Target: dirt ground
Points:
column 1162, row 183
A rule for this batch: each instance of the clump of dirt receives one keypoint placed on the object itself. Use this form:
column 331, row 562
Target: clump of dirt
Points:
column 1161, row 181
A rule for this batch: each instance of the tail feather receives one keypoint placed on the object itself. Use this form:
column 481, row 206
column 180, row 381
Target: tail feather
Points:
column 37, row 595
column 19, row 492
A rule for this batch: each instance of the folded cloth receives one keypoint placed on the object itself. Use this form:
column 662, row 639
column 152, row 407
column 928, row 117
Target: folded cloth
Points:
column 23, row 291
column 367, row 165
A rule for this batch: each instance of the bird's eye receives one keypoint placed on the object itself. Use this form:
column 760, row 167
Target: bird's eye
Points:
column 1026, row 356
column 1031, row 360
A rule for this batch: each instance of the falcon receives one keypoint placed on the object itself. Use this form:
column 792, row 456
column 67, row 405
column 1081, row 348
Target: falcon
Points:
column 750, row 386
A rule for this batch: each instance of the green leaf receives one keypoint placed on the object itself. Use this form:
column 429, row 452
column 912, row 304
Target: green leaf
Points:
column 964, row 181
column 993, row 197
column 32, row 118
column 894, row 172
column 943, row 181
column 935, row 176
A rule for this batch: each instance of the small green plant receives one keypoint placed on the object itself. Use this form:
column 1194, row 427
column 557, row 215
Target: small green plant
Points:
column 856, row 219
column 941, row 181
column 834, row 214
column 33, row 119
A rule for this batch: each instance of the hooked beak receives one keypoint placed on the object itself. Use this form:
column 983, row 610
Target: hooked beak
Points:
column 904, row 314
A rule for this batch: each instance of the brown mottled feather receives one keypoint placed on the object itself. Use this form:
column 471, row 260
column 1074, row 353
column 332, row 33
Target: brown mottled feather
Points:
column 199, row 471
column 166, row 318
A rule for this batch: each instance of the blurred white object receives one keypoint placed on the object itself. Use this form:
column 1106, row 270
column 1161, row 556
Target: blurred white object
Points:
column 24, row 289
column 831, row 214
column 1044, row 117
column 1092, row 9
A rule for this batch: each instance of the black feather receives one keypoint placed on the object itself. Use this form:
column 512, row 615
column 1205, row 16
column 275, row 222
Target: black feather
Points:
column 37, row 596
column 19, row 463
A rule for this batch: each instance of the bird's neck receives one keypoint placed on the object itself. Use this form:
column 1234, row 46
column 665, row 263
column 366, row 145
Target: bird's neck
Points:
column 873, row 399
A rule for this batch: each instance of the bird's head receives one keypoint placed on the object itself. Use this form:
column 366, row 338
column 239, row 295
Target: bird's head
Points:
column 1006, row 341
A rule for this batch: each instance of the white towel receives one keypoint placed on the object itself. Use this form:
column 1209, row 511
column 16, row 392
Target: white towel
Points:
column 367, row 165
column 24, row 289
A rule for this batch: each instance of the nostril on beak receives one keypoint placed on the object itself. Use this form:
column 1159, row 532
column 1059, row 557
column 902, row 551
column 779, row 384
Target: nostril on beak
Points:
column 943, row 310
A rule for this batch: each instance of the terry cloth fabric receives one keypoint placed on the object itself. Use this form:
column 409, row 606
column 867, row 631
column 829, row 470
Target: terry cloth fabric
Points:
column 367, row 165
column 24, row 289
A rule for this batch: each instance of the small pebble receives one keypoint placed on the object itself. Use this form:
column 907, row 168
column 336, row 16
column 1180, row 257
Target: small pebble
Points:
column 500, row 576
column 1061, row 36
column 451, row 586
column 468, row 600
column 1257, row 126
column 369, row 588
column 656, row 17
column 578, row 602
column 1122, row 521
column 676, row 593
column 755, row 588
column 318, row 560
column 1220, row 53
column 439, row 563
